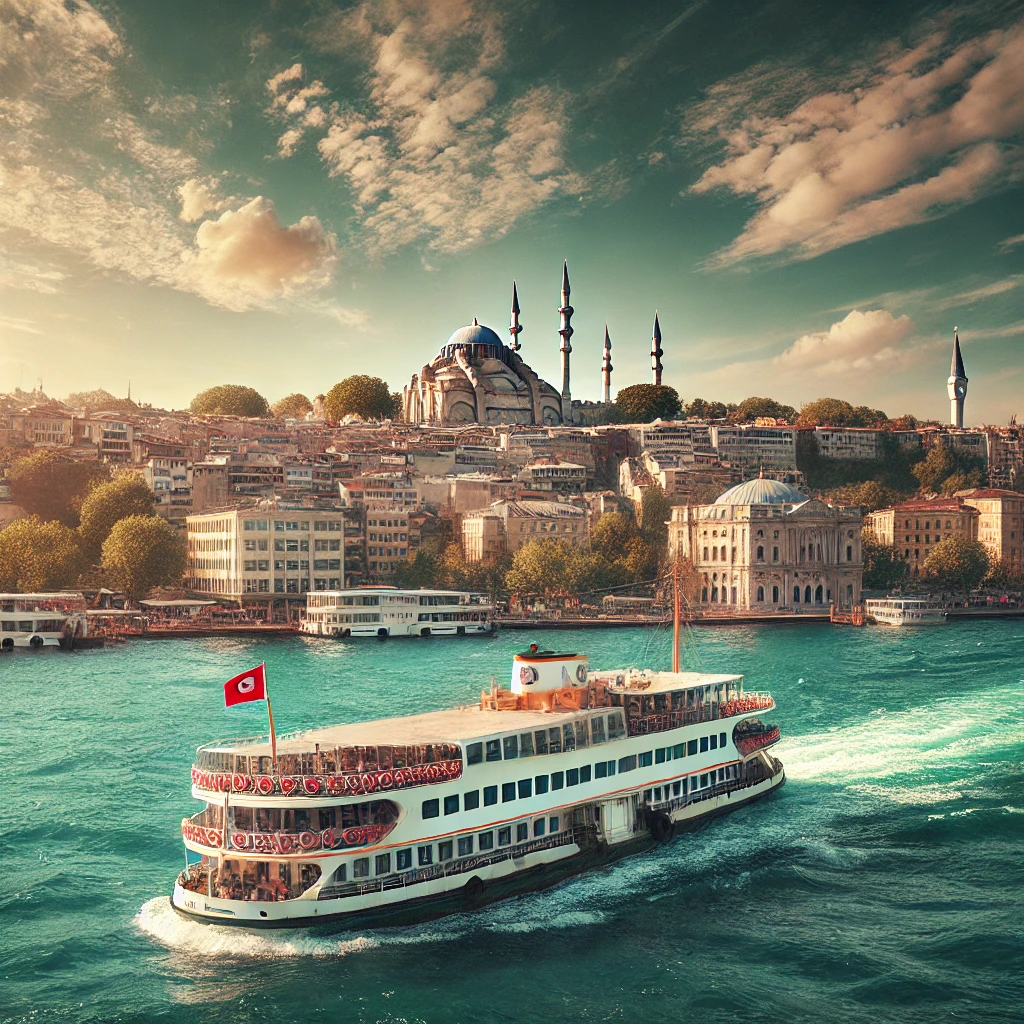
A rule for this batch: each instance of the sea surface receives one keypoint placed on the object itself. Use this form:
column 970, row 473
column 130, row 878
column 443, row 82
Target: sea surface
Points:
column 884, row 882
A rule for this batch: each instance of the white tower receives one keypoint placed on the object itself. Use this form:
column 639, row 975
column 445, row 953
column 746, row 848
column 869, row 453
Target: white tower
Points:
column 606, row 369
column 565, row 312
column 956, row 386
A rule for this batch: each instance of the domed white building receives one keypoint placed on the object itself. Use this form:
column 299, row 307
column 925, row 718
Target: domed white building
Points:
column 764, row 546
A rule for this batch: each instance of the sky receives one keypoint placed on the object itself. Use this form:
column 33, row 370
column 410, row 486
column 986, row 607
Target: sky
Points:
column 812, row 195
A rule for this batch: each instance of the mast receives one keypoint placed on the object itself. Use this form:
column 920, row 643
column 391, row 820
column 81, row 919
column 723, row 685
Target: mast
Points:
column 676, row 613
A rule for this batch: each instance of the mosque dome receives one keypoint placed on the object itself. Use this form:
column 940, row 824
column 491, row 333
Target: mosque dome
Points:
column 761, row 492
column 474, row 334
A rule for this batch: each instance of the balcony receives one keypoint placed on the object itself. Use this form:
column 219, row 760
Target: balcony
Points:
column 750, row 742
column 665, row 721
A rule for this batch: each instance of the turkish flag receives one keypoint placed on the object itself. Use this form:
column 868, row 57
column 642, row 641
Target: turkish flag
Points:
column 251, row 685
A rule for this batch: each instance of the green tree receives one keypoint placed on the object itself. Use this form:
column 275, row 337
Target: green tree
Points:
column 699, row 409
column 52, row 486
column 420, row 571
column 883, row 567
column 655, row 512
column 958, row 563
column 611, row 533
column 834, row 412
column 38, row 556
column 751, row 409
column 292, row 407
column 229, row 400
column 644, row 403
column 869, row 495
column 143, row 552
column 125, row 495
column 100, row 400
column 363, row 396
column 946, row 470
column 539, row 567
column 639, row 562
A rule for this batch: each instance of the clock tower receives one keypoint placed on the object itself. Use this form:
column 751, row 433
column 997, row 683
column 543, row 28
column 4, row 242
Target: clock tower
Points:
column 957, row 384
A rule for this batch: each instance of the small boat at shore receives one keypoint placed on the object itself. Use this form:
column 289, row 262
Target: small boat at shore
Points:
column 405, row 819
column 36, row 621
column 905, row 611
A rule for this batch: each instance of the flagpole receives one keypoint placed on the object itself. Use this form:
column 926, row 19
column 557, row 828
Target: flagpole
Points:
column 270, row 716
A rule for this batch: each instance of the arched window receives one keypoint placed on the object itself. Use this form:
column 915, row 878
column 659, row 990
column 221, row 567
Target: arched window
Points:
column 704, row 595
column 849, row 552
column 705, row 554
column 796, row 595
column 807, row 594
column 775, row 554
column 775, row 595
column 760, row 552
column 760, row 594
column 714, row 595
column 723, row 552
column 714, row 554
column 818, row 595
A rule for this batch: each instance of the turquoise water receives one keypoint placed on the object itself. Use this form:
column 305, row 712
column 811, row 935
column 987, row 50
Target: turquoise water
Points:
column 883, row 883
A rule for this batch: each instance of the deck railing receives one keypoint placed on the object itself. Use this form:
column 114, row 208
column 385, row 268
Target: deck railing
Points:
column 754, row 741
column 642, row 725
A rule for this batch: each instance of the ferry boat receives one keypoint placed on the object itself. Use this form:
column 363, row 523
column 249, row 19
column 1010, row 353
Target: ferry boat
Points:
column 388, row 611
column 905, row 611
column 41, row 620
column 405, row 819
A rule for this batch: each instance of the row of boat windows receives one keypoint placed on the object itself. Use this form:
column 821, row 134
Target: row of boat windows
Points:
column 571, row 736
column 523, row 789
column 448, row 849
column 32, row 626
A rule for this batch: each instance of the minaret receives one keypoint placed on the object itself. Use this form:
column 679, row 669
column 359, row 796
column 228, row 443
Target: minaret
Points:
column 515, row 327
column 957, row 384
column 565, row 312
column 656, row 351
column 606, row 369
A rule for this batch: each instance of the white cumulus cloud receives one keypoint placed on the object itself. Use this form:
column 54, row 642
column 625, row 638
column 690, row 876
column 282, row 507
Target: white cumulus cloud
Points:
column 860, row 342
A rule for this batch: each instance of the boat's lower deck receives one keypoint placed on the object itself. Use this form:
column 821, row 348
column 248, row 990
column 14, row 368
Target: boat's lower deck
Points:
column 466, row 885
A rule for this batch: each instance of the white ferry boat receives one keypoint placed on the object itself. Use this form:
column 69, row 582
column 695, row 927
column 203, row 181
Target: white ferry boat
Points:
column 388, row 611
column 41, row 620
column 905, row 611
column 404, row 819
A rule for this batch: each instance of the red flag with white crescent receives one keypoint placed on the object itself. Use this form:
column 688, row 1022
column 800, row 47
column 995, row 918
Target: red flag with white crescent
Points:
column 251, row 685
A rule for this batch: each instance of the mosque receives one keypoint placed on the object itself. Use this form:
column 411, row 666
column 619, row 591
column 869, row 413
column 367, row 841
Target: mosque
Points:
column 477, row 378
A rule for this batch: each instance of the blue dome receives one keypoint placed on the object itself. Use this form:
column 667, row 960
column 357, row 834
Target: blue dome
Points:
column 761, row 492
column 475, row 334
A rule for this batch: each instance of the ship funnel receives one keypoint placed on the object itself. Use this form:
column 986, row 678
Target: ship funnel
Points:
column 534, row 671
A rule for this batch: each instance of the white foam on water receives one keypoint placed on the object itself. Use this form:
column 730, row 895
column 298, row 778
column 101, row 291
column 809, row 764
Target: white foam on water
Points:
column 566, row 919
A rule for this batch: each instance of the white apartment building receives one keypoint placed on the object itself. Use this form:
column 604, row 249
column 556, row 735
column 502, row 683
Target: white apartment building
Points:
column 507, row 525
column 848, row 442
column 170, row 480
column 752, row 447
column 387, row 539
column 265, row 555
column 394, row 490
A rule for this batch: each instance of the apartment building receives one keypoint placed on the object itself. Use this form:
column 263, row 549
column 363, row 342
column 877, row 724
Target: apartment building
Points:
column 1000, row 523
column 555, row 475
column 171, row 482
column 915, row 527
column 265, row 555
column 390, row 489
column 752, row 448
column 506, row 526
column 387, row 538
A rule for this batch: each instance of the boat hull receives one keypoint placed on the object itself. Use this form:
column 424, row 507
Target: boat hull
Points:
column 492, row 886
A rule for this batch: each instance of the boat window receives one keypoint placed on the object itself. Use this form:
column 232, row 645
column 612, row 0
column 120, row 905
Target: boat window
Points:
column 703, row 744
column 425, row 855
column 508, row 792
column 511, row 744
column 490, row 795
column 627, row 764
column 568, row 737
column 703, row 780
column 361, row 867
column 493, row 750
column 646, row 759
column 557, row 780
column 597, row 729
column 522, row 832
column 540, row 783
column 431, row 808
column 679, row 750
column 616, row 727
column 572, row 777
column 451, row 804
column 486, row 840
column 601, row 770
column 403, row 859
column 504, row 836
column 660, row 754
column 471, row 800
column 553, row 824
column 541, row 738
column 526, row 744
column 721, row 739
column 340, row 875
column 465, row 846
column 584, row 773
column 525, row 788
column 677, row 787
column 444, row 851
column 554, row 740
column 538, row 827
column 691, row 747
column 383, row 864
column 714, row 742
column 581, row 733
column 474, row 753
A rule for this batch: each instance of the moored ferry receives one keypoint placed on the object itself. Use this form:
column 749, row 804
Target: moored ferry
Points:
column 389, row 611
column 905, row 611
column 404, row 819
column 41, row 620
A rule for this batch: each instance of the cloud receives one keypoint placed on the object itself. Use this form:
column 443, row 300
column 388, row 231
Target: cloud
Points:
column 80, row 172
column 247, row 255
column 1008, row 244
column 920, row 132
column 987, row 291
column 859, row 342
column 27, row 275
column 10, row 323
column 430, row 154
column 986, row 333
